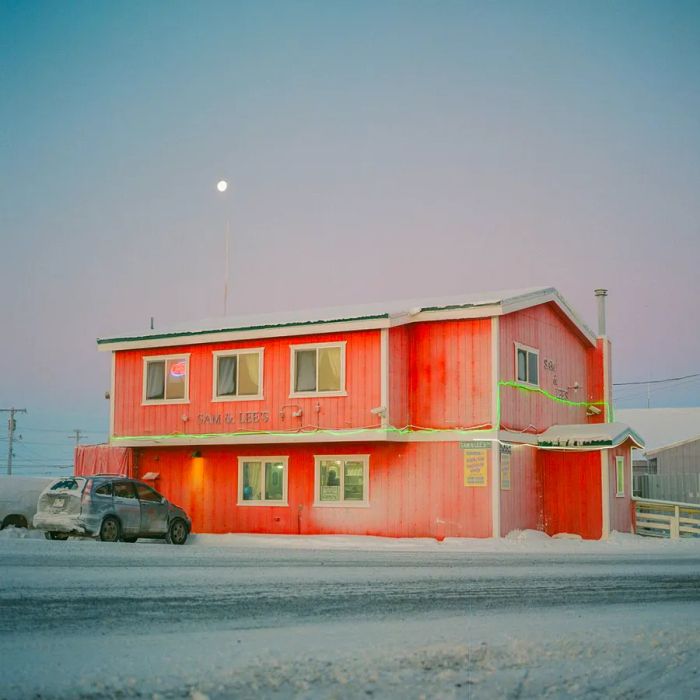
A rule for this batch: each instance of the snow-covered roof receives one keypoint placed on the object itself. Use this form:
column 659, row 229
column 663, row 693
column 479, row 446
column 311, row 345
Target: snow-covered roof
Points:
column 588, row 435
column 662, row 427
column 375, row 315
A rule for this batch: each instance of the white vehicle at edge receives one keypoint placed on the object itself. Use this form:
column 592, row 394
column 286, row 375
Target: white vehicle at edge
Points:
column 19, row 496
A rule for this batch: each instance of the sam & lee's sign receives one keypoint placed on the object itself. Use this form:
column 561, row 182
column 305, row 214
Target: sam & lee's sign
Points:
column 242, row 418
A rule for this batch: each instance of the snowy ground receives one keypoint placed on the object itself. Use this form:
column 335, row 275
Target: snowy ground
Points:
column 336, row 617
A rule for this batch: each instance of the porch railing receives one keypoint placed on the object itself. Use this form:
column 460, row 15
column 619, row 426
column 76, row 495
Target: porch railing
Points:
column 666, row 519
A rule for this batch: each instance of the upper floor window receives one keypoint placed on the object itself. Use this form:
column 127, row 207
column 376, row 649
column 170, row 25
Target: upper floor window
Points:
column 238, row 374
column 342, row 480
column 166, row 378
column 318, row 369
column 527, row 364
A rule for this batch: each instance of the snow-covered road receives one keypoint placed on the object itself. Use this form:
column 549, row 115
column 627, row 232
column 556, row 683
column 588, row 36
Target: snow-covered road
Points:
column 344, row 617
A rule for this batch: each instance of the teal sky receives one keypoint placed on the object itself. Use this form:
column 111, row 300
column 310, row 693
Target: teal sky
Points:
column 376, row 150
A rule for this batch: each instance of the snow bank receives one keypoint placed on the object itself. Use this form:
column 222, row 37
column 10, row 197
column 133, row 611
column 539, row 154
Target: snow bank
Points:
column 524, row 541
column 21, row 533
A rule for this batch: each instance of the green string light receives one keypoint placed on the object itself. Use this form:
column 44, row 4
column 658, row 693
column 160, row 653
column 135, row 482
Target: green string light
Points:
column 407, row 430
column 321, row 431
column 545, row 393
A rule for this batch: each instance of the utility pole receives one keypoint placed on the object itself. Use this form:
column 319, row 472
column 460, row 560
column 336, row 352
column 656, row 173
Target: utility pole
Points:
column 11, row 427
column 77, row 433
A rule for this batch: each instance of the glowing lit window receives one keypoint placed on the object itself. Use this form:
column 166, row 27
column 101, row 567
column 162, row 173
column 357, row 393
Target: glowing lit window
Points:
column 318, row 369
column 262, row 481
column 166, row 379
column 342, row 480
column 238, row 374
column 527, row 365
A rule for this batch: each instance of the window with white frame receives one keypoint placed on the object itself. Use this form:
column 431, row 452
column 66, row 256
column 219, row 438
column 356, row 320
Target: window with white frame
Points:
column 619, row 477
column 318, row 369
column 166, row 379
column 238, row 374
column 527, row 364
column 342, row 480
column 262, row 481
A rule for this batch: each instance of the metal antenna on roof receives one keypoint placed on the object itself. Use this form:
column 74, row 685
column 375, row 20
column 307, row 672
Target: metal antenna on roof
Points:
column 222, row 186
column 226, row 270
column 151, row 322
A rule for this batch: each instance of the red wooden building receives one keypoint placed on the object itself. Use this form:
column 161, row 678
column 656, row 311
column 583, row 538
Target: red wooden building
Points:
column 466, row 417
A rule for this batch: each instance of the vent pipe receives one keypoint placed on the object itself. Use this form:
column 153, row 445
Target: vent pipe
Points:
column 601, row 294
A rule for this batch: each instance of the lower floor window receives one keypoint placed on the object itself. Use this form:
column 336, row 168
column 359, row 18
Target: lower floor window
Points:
column 342, row 480
column 262, row 480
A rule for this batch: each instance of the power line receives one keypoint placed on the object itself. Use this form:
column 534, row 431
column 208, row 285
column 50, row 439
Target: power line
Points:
column 649, row 391
column 62, row 430
column 657, row 381
column 633, row 390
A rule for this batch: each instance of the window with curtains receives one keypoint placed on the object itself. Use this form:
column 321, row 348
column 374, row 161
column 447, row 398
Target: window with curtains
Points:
column 527, row 364
column 238, row 374
column 262, row 481
column 166, row 379
column 318, row 369
column 342, row 480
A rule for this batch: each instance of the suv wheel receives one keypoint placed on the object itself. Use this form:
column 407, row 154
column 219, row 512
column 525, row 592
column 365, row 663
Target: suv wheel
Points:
column 177, row 532
column 109, row 532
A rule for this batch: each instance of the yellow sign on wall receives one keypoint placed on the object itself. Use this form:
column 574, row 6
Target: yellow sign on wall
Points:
column 475, row 467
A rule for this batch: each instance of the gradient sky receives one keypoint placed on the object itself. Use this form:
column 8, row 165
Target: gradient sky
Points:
column 376, row 150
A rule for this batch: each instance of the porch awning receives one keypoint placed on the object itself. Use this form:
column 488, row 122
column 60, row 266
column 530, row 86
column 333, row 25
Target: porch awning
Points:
column 589, row 435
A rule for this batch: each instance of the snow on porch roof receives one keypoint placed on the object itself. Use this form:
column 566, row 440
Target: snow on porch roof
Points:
column 588, row 435
column 508, row 300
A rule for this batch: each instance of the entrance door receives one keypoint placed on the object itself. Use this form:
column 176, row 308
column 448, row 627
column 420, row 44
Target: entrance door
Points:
column 572, row 500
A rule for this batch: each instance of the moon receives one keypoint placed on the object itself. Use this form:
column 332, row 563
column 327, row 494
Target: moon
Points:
column 222, row 185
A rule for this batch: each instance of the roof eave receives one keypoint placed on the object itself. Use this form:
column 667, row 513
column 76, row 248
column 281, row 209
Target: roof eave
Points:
column 366, row 322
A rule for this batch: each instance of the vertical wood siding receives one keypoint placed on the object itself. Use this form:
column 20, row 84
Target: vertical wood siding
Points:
column 351, row 411
column 415, row 490
column 521, row 506
column 679, row 459
column 450, row 373
column 596, row 381
column 399, row 344
column 620, row 508
column 545, row 329
column 572, row 494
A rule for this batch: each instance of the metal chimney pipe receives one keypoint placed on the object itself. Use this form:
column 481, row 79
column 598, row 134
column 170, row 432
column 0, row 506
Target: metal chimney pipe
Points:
column 601, row 294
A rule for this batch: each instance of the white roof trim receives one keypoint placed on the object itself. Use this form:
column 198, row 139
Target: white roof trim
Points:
column 343, row 319
column 591, row 435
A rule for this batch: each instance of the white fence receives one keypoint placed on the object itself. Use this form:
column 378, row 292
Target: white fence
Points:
column 667, row 519
column 674, row 488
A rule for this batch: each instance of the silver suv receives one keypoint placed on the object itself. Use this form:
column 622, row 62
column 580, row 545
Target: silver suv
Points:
column 110, row 507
